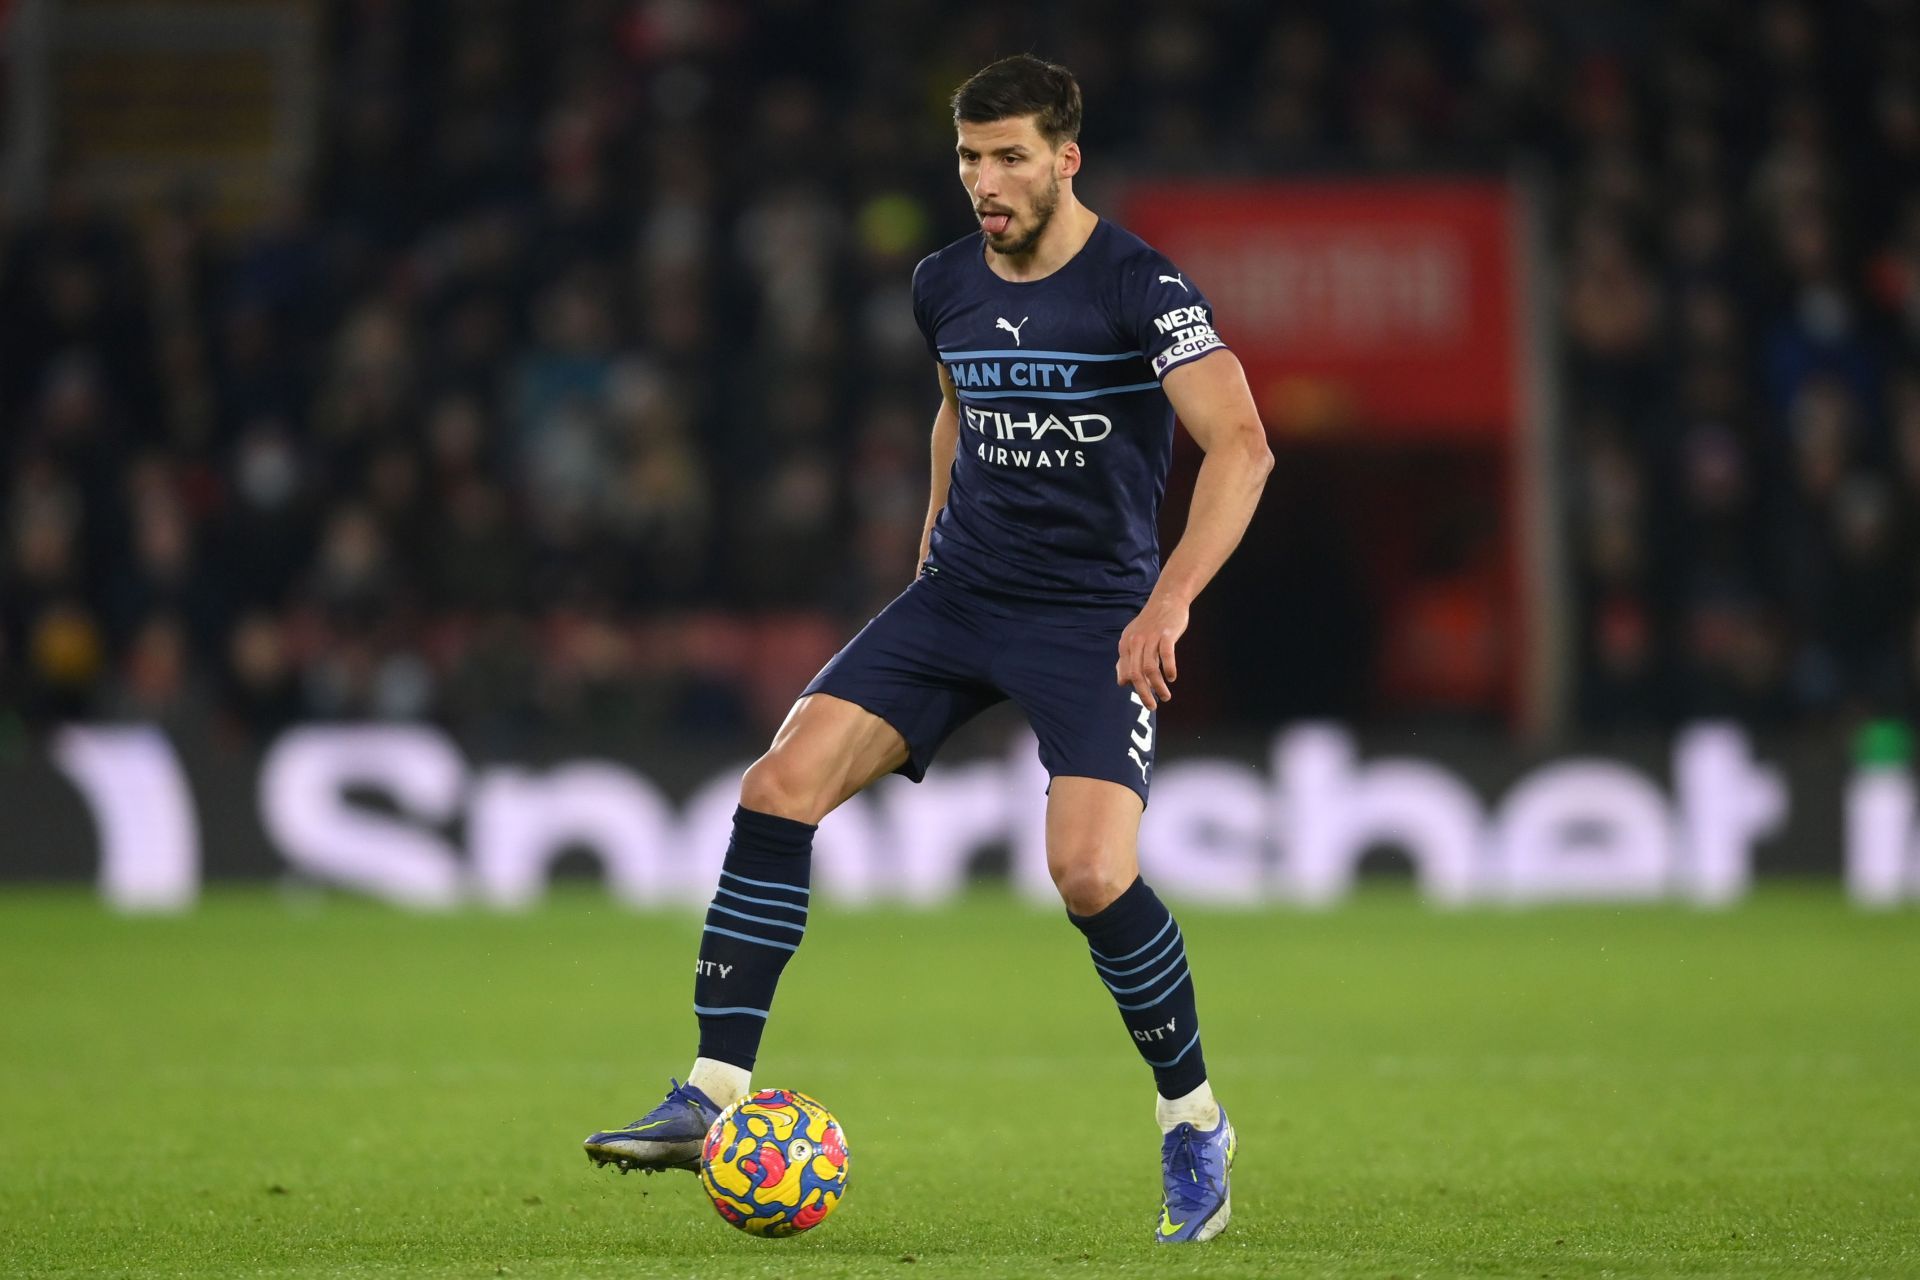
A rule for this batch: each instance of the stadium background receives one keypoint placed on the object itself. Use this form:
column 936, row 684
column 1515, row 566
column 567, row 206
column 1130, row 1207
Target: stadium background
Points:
column 436, row 440
column 545, row 375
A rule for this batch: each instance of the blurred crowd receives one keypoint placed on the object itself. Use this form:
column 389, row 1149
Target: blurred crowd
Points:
column 1741, row 311
column 579, row 385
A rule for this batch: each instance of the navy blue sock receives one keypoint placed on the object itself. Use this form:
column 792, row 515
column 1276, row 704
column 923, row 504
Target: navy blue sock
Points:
column 755, row 922
column 1139, row 953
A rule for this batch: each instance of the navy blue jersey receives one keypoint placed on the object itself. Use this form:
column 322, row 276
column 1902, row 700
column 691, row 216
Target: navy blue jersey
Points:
column 1065, row 434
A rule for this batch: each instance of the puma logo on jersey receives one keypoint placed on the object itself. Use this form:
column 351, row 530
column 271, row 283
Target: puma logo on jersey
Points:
column 1175, row 279
column 1003, row 323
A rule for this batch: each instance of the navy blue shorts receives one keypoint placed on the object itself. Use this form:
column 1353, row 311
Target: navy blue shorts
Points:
column 941, row 654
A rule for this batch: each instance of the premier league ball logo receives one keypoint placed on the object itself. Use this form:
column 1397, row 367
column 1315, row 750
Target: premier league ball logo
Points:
column 774, row 1164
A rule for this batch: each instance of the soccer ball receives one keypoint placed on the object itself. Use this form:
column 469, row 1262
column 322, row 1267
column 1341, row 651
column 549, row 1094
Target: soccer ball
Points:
column 774, row 1164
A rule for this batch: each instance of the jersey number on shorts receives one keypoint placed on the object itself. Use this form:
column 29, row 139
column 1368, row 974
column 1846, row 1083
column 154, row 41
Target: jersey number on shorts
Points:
column 1142, row 738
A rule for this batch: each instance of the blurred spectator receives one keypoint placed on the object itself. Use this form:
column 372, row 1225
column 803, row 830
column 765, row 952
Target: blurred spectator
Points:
column 263, row 691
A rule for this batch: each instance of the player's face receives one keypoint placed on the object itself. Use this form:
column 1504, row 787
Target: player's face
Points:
column 1014, row 178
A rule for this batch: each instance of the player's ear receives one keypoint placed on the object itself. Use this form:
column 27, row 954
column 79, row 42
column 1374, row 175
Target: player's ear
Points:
column 1069, row 160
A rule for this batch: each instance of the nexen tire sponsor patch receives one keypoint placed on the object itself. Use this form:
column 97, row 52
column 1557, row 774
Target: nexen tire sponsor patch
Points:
column 1193, row 334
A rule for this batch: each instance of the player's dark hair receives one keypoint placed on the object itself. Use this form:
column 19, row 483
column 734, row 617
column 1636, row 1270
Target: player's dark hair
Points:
column 1022, row 85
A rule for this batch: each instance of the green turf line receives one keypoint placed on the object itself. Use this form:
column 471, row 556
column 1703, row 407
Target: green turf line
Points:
column 328, row 1088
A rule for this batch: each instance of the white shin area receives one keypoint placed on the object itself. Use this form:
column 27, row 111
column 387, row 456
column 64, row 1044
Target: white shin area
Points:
column 1196, row 1108
column 723, row 1082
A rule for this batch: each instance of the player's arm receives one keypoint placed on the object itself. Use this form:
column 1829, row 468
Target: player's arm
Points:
column 1212, row 399
column 946, row 438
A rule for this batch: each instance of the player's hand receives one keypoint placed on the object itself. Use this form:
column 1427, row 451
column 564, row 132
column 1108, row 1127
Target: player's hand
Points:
column 1146, row 651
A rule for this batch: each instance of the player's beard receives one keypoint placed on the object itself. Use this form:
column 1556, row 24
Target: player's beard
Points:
column 1044, row 203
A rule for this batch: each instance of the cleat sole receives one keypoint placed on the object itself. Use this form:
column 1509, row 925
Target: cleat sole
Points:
column 1217, row 1223
column 661, row 1156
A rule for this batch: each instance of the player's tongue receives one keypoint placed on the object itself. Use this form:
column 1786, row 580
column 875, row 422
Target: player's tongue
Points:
column 995, row 223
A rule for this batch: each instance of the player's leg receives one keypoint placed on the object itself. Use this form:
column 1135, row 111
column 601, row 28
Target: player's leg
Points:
column 886, row 702
column 1097, row 742
column 827, row 750
column 1136, row 945
column 1140, row 955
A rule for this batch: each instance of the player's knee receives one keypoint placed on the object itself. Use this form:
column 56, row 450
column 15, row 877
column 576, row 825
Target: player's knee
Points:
column 777, row 784
column 1088, row 884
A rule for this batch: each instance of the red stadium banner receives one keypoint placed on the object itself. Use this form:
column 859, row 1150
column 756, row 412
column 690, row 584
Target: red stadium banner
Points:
column 1377, row 307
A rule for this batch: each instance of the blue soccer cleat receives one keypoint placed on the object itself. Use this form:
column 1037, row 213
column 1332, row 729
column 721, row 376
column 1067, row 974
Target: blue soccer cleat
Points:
column 1195, row 1165
column 667, row 1137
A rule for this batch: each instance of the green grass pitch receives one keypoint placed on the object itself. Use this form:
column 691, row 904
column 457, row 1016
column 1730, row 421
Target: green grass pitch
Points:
column 321, row 1087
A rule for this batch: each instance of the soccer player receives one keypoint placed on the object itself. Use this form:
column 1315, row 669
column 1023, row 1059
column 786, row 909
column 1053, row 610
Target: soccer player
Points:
column 1065, row 348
